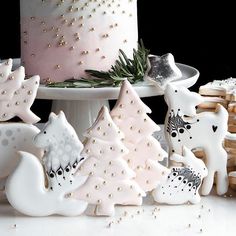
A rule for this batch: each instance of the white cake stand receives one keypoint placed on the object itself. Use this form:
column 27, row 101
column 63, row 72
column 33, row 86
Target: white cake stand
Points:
column 81, row 105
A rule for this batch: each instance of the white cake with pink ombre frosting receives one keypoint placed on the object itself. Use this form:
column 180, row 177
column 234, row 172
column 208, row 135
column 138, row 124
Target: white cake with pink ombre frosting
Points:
column 62, row 38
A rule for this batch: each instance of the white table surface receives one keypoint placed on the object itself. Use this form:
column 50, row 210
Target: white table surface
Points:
column 214, row 216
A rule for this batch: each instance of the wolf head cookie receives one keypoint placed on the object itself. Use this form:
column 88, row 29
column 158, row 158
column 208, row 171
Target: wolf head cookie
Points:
column 183, row 183
column 206, row 130
column 25, row 187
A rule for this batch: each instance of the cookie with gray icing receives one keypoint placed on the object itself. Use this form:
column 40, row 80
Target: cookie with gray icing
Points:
column 183, row 183
column 162, row 70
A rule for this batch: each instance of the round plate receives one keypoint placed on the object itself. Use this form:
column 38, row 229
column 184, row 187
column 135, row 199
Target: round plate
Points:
column 189, row 77
column 144, row 89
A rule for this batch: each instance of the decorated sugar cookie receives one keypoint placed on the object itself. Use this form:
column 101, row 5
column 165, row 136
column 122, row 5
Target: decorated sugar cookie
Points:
column 218, row 87
column 15, row 137
column 26, row 189
column 16, row 94
column 10, row 81
column 110, row 180
column 232, row 180
column 183, row 183
column 130, row 115
column 162, row 70
column 205, row 130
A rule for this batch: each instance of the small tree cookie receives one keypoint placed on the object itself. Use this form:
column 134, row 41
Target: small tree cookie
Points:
column 110, row 179
column 16, row 94
column 130, row 115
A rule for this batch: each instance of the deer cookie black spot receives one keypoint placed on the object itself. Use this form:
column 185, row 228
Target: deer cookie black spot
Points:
column 214, row 128
column 188, row 126
column 181, row 131
column 173, row 134
column 179, row 140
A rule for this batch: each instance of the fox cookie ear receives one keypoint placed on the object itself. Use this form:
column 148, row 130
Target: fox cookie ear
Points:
column 61, row 115
column 52, row 116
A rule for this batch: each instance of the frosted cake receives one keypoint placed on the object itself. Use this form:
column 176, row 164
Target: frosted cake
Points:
column 62, row 38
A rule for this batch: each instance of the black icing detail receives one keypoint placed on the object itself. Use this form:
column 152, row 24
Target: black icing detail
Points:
column 75, row 164
column 68, row 168
column 176, row 125
column 60, row 171
column 214, row 128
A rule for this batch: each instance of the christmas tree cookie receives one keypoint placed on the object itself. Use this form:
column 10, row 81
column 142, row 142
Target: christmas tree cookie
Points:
column 110, row 180
column 130, row 115
column 16, row 94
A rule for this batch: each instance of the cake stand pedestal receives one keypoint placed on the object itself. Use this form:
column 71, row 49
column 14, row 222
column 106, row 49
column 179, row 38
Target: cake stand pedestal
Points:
column 81, row 105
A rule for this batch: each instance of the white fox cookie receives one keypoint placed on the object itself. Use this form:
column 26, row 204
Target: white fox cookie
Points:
column 25, row 187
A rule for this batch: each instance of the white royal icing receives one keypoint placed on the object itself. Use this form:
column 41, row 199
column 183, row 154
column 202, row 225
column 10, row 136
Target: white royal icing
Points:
column 183, row 183
column 110, row 180
column 130, row 115
column 16, row 94
column 205, row 130
column 15, row 137
column 25, row 187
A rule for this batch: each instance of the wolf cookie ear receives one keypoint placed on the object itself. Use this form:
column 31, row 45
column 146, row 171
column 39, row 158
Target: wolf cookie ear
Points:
column 61, row 115
column 52, row 116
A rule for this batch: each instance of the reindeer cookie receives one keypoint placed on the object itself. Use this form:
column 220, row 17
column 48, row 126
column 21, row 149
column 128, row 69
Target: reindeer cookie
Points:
column 25, row 187
column 16, row 94
column 183, row 183
column 206, row 130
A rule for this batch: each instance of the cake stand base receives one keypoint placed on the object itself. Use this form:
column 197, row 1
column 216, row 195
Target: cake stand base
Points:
column 81, row 114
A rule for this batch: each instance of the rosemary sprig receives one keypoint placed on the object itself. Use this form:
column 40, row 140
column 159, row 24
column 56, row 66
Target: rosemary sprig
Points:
column 124, row 68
